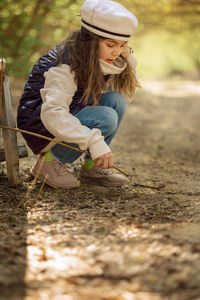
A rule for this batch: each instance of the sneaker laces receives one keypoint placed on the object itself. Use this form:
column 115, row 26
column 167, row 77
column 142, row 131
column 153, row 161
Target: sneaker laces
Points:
column 102, row 171
column 60, row 169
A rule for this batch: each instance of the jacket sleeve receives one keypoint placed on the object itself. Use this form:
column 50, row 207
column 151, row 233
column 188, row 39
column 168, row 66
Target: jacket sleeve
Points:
column 57, row 95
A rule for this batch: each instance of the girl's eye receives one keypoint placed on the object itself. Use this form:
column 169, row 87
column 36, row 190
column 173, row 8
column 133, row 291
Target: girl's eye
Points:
column 110, row 46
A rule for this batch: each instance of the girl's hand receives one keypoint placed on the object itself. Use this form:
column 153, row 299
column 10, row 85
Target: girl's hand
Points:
column 104, row 161
column 126, row 51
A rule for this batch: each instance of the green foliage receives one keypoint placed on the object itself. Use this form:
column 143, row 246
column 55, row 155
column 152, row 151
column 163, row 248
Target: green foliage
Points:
column 172, row 15
column 162, row 54
column 30, row 28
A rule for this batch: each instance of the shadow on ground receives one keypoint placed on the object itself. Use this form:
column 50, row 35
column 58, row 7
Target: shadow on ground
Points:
column 136, row 242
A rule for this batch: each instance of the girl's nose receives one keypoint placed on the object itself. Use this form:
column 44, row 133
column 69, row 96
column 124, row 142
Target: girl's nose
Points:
column 116, row 52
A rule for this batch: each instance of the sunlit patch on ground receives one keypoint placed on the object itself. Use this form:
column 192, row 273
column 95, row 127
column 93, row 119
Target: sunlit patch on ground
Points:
column 172, row 89
column 139, row 242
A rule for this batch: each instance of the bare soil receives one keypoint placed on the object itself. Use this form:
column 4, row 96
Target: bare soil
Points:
column 139, row 242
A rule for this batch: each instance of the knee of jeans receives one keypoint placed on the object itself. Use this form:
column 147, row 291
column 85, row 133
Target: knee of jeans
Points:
column 109, row 122
column 116, row 101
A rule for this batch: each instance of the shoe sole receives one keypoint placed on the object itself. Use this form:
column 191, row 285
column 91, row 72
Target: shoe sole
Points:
column 96, row 182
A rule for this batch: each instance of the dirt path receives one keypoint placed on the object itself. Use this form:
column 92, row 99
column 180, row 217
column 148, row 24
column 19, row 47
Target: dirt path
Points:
column 140, row 242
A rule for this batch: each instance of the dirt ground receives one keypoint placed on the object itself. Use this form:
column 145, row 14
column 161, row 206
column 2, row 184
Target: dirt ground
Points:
column 139, row 242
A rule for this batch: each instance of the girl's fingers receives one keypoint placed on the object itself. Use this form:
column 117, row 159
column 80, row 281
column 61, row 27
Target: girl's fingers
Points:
column 98, row 162
column 104, row 161
column 110, row 162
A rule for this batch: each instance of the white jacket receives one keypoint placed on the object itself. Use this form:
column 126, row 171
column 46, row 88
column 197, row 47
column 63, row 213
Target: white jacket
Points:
column 59, row 88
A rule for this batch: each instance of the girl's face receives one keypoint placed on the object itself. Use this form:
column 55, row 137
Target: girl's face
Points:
column 110, row 49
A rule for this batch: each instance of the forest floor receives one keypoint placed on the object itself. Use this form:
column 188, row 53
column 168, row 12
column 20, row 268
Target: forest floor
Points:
column 138, row 242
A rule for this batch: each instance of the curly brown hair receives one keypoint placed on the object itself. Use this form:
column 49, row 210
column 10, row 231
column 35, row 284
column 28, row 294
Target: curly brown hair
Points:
column 83, row 58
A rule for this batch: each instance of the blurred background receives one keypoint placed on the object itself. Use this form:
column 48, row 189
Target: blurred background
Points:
column 166, row 43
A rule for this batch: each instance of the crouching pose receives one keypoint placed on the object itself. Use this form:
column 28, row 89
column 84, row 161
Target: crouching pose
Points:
column 77, row 94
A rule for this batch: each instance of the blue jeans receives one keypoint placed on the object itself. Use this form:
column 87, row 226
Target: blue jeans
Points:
column 106, row 116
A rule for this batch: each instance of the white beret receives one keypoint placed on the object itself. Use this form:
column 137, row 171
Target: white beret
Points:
column 108, row 19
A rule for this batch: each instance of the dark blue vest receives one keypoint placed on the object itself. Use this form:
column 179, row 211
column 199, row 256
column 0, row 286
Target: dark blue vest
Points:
column 28, row 116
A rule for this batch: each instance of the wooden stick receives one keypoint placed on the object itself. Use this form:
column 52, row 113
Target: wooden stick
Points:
column 56, row 142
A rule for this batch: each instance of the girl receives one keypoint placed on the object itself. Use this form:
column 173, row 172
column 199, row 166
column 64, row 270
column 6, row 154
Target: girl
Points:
column 77, row 93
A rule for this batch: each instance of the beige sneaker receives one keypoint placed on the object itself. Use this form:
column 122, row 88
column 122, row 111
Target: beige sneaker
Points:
column 56, row 174
column 101, row 176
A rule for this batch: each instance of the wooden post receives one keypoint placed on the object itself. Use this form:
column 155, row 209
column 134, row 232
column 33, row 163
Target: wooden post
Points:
column 9, row 137
column 2, row 64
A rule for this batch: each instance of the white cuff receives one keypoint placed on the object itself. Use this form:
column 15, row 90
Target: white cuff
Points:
column 99, row 148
